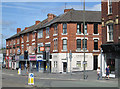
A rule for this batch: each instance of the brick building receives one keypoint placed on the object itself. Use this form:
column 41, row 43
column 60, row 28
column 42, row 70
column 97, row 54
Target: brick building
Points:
column 60, row 34
column 111, row 35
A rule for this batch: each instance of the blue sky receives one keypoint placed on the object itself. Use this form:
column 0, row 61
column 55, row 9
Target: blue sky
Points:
column 24, row 14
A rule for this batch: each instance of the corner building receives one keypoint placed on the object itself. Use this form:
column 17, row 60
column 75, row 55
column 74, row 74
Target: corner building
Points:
column 60, row 34
column 111, row 36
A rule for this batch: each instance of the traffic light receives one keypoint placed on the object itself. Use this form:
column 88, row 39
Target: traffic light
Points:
column 25, row 54
column 50, row 56
column 44, row 54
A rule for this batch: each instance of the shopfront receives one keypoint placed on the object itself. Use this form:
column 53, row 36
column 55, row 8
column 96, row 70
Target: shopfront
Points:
column 33, row 62
column 40, row 63
column 21, row 62
column 8, row 62
column 17, row 61
column 111, row 53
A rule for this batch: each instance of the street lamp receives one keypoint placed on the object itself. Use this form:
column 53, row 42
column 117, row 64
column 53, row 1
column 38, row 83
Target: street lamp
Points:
column 84, row 37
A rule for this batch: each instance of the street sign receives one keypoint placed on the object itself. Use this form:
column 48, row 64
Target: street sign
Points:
column 84, row 62
column 31, row 79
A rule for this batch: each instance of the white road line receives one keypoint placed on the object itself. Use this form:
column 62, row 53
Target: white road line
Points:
column 8, row 74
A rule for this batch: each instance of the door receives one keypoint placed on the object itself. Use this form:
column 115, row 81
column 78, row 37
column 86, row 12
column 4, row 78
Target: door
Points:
column 64, row 66
column 95, row 64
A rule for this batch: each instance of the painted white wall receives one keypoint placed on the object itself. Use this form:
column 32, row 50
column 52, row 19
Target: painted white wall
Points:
column 61, row 57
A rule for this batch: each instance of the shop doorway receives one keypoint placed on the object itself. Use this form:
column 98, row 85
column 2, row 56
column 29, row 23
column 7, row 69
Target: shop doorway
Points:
column 111, row 63
column 95, row 62
column 64, row 66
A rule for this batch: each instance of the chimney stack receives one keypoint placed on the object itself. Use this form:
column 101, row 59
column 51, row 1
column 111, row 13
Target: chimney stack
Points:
column 18, row 30
column 26, row 28
column 37, row 22
column 50, row 16
column 66, row 10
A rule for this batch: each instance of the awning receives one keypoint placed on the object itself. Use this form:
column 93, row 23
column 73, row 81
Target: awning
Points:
column 110, row 48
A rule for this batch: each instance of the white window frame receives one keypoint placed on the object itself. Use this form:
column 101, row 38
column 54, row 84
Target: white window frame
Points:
column 27, row 37
column 40, row 33
column 47, row 32
column 108, row 32
column 109, row 6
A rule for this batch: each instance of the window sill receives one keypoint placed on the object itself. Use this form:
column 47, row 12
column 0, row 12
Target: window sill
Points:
column 33, row 40
column 47, row 37
column 64, row 50
column 55, row 50
column 22, row 42
column 27, row 41
column 96, row 50
column 79, row 50
column 83, row 50
column 40, row 37
column 96, row 34
column 55, row 34
column 109, row 14
column 110, row 41
column 79, row 34
column 64, row 34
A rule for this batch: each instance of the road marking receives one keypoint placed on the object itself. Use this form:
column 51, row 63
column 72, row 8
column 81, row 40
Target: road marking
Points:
column 8, row 74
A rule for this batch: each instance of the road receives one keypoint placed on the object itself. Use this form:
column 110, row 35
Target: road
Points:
column 14, row 80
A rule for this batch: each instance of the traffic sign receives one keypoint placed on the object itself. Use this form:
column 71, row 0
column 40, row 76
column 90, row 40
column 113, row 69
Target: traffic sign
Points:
column 84, row 62
column 31, row 79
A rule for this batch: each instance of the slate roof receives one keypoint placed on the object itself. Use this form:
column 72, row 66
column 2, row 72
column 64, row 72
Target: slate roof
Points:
column 71, row 16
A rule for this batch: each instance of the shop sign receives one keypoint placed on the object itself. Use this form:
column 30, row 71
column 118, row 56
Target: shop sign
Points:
column 39, row 57
column 32, row 57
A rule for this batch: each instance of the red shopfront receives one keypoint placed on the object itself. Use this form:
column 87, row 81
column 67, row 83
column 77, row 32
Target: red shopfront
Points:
column 8, row 62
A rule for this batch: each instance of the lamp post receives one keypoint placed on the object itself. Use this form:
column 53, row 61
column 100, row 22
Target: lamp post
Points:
column 84, row 37
column 101, row 65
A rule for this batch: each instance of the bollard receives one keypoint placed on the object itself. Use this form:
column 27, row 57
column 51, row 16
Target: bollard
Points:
column 31, row 79
column 19, row 71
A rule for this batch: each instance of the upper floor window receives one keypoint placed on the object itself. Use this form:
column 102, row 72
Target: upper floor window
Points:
column 95, row 28
column 55, row 29
column 64, row 44
column 85, row 28
column 33, row 36
column 78, row 44
column 22, row 39
column 95, row 44
column 27, row 36
column 110, row 32
column 47, row 32
column 40, row 33
column 55, row 44
column 78, row 28
column 64, row 28
column 85, row 44
column 109, row 6
column 17, row 40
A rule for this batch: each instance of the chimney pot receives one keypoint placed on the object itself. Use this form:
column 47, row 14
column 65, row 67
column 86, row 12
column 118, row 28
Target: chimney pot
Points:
column 18, row 30
column 26, row 28
column 67, row 10
column 50, row 16
column 37, row 22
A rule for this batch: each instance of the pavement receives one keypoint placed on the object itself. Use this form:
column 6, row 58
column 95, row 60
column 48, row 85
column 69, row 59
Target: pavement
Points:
column 10, row 78
column 92, row 76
